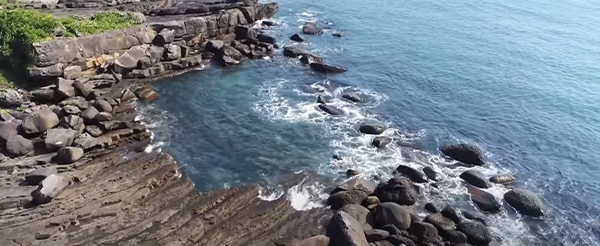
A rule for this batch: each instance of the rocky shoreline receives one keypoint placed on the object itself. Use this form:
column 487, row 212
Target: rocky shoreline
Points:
column 78, row 170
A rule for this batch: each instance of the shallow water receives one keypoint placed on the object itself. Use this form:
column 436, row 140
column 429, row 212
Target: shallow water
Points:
column 518, row 78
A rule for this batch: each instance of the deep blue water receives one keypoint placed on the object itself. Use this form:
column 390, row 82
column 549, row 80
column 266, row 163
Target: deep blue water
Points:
column 519, row 78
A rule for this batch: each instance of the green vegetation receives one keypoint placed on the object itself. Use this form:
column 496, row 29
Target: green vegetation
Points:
column 20, row 28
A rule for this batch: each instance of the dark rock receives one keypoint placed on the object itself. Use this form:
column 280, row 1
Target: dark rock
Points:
column 39, row 122
column 7, row 130
column 352, row 97
column 297, row 50
column 321, row 99
column 440, row 222
column 11, row 98
column 397, row 190
column 465, row 153
column 324, row 68
column 214, row 46
column 36, row 176
column 72, row 121
column 473, row 217
column 49, row 188
column 351, row 173
column 413, row 174
column 400, row 240
column 58, row 138
column 65, row 88
column 431, row 208
column 69, row 154
column 475, row 178
column 337, row 157
column 381, row 141
column 477, row 234
column 361, row 214
column 450, row 213
column 337, row 34
column 266, row 38
column 331, row 109
column 485, row 201
column 268, row 23
column 244, row 49
column 242, row 33
column 454, row 236
column 17, row 145
column 43, row 95
column 296, row 37
column 392, row 213
column 144, row 63
column 311, row 28
column 502, row 179
column 375, row 235
column 526, row 202
column 343, row 230
column 89, row 114
column 320, row 240
column 165, row 36
column 424, row 231
column 431, row 174
column 372, row 129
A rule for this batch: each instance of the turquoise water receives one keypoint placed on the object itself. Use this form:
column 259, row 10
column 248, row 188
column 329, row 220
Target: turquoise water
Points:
column 519, row 78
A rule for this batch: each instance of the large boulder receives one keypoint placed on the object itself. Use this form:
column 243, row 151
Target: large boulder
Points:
column 361, row 214
column 89, row 114
column 431, row 174
column 266, row 38
column 398, row 190
column 526, row 202
column 450, row 213
column 49, row 188
column 85, row 141
column 296, row 37
column 36, row 176
column 353, row 191
column 502, row 179
column 375, row 235
column 324, row 68
column 455, row 236
column 39, row 122
column 331, row 109
column 440, row 222
column 392, row 213
column 228, row 55
column 17, row 145
column 72, row 72
column 103, row 106
column 344, row 230
column 485, row 201
column 353, row 97
column 372, row 129
column 357, row 184
column 172, row 52
column 129, row 60
column 311, row 28
column 58, row 138
column 165, row 36
column 320, row 240
column 214, row 45
column 11, row 98
column 465, row 153
column 475, row 178
column 477, row 234
column 424, row 231
column 297, row 50
column 68, row 155
column 65, row 88
column 413, row 174
column 8, row 129
column 381, row 141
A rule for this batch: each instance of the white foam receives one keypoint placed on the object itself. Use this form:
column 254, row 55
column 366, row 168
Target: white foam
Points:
column 305, row 196
column 270, row 195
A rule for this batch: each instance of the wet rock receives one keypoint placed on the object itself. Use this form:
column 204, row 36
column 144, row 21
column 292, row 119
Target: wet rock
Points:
column 465, row 153
column 392, row 213
column 89, row 114
column 36, row 176
column 7, row 130
column 473, row 217
column 372, row 129
column 343, row 230
column 485, row 201
column 431, row 208
column 297, row 50
column 85, row 141
column 440, row 222
column 455, row 236
column 475, row 178
column 361, row 214
column 266, row 38
column 502, row 179
column 424, row 231
column 39, row 122
column 526, row 202
column 381, row 141
column 311, row 28
column 351, row 173
column 336, row 157
column 375, row 235
column 49, row 188
column 321, row 99
column 413, row 174
column 17, row 145
column 431, row 174
column 324, row 68
column 268, row 23
column 242, row 33
column 337, row 34
column 397, row 190
column 296, row 37
column 11, row 98
column 353, row 97
column 69, row 154
column 320, row 240
column 331, row 109
column 58, row 138
column 307, row 60
column 450, row 213
column 477, row 234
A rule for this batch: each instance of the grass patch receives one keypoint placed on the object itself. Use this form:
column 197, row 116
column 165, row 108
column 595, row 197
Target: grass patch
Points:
column 20, row 28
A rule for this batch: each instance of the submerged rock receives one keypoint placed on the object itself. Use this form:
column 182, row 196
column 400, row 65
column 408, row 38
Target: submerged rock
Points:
column 475, row 178
column 297, row 38
column 484, row 201
column 331, row 109
column 431, row 174
column 321, row 99
column 372, row 129
column 502, row 179
column 324, row 68
column 353, row 97
column 413, row 174
column 311, row 28
column 381, row 141
column 526, row 202
column 465, row 153
column 351, row 173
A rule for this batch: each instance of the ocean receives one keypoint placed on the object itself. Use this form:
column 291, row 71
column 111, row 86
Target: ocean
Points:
column 521, row 79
